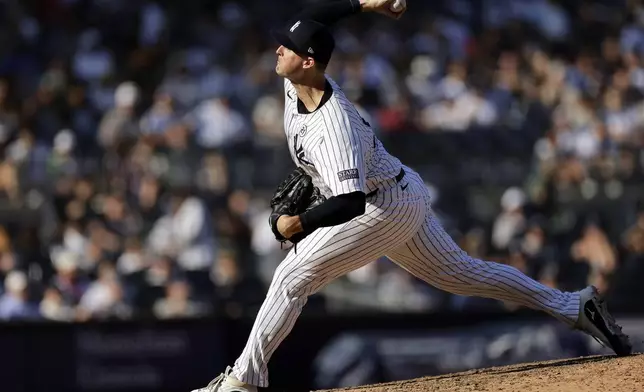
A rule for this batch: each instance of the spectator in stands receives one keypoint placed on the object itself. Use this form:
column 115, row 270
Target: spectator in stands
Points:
column 105, row 297
column 8, row 257
column 594, row 248
column 104, row 124
column 178, row 304
column 186, row 234
column 217, row 125
column 120, row 123
column 9, row 186
column 53, row 307
column 511, row 220
column 15, row 303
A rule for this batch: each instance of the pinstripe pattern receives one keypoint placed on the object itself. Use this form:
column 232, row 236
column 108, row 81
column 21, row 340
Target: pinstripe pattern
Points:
column 336, row 139
column 398, row 222
column 392, row 218
column 434, row 257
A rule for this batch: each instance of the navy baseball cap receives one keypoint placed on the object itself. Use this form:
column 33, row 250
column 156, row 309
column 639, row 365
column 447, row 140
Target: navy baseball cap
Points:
column 307, row 38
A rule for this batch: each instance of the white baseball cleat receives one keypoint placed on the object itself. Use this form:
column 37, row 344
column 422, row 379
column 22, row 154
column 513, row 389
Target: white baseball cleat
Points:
column 227, row 383
column 595, row 320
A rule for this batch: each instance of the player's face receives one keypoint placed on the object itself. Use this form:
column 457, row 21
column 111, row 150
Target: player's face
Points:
column 289, row 63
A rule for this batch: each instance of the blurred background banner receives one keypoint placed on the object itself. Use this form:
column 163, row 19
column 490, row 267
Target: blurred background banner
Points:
column 141, row 140
column 360, row 357
column 145, row 358
column 111, row 357
column 352, row 350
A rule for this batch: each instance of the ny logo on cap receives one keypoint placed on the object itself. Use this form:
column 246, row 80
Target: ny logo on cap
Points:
column 295, row 26
column 311, row 50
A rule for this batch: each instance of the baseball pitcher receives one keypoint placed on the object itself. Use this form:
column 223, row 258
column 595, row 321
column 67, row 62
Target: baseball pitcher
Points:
column 350, row 202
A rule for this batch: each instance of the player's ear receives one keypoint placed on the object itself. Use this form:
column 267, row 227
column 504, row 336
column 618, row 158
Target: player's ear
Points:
column 308, row 63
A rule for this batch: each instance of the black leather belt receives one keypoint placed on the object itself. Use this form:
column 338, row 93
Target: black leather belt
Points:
column 399, row 178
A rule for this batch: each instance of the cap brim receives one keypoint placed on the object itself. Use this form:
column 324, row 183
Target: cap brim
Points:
column 284, row 40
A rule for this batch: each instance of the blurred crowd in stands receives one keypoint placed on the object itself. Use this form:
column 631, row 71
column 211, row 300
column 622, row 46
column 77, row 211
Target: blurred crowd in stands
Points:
column 141, row 140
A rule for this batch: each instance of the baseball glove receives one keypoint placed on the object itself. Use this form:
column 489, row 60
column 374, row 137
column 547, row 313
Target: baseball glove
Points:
column 295, row 195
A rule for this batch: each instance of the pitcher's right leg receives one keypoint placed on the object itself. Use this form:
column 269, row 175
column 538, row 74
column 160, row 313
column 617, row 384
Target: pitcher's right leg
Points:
column 392, row 217
column 327, row 254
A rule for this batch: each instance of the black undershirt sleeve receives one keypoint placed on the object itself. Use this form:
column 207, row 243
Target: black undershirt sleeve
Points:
column 334, row 211
column 328, row 13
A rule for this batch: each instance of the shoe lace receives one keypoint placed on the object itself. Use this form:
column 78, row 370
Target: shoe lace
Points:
column 214, row 384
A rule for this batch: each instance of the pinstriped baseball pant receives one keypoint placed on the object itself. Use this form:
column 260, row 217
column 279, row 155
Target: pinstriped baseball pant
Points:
column 400, row 225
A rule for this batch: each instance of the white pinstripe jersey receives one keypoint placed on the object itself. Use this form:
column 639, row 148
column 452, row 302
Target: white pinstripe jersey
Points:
column 336, row 146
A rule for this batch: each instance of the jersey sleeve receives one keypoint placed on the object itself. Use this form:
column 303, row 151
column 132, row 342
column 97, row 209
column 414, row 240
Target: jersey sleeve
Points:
column 339, row 156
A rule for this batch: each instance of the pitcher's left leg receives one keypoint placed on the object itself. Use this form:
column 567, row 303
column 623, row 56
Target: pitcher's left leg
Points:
column 434, row 257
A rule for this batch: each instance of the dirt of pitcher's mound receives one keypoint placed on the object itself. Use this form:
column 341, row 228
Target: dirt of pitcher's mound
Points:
column 589, row 374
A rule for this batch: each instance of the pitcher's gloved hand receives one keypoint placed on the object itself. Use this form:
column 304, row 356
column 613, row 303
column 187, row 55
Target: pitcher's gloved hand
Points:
column 295, row 195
